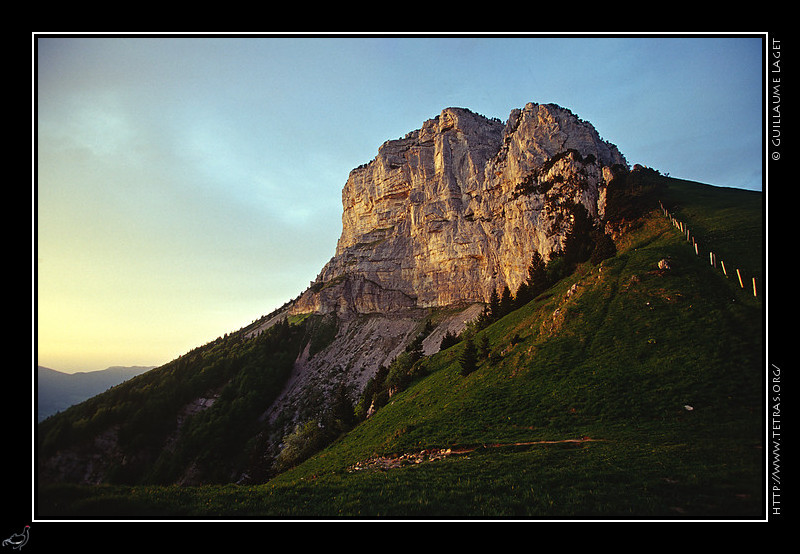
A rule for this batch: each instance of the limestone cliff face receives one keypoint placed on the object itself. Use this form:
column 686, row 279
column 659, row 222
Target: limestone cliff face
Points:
column 456, row 209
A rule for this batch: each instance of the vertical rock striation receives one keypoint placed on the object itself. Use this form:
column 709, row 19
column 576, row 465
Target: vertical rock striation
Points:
column 457, row 208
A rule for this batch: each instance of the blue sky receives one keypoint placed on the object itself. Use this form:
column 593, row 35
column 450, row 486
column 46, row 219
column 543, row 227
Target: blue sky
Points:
column 186, row 186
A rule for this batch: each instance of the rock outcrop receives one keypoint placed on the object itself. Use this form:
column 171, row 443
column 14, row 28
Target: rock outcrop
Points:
column 457, row 208
column 436, row 222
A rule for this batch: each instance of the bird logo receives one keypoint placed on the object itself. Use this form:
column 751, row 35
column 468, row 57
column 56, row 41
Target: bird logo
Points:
column 18, row 540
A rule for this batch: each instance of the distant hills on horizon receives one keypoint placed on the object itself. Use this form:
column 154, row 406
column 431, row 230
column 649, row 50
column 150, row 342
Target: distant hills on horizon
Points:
column 57, row 391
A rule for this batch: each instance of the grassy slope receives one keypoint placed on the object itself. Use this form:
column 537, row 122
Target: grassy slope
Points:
column 618, row 363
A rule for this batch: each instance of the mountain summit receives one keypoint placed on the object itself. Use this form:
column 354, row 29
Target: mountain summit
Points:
column 508, row 301
column 456, row 209
column 441, row 229
column 433, row 229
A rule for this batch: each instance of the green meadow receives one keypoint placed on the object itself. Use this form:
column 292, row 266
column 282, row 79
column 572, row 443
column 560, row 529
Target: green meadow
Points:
column 626, row 390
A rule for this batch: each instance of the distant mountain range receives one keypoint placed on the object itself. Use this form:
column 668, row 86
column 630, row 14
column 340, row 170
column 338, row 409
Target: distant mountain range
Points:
column 58, row 391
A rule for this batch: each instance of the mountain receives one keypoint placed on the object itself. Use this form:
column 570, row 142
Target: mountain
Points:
column 547, row 342
column 57, row 391
column 439, row 221
column 455, row 210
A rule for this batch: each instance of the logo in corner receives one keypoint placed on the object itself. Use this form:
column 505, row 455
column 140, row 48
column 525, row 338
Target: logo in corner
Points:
column 18, row 540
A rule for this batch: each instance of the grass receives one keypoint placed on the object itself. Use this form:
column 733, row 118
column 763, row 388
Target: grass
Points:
column 628, row 477
column 726, row 221
column 661, row 369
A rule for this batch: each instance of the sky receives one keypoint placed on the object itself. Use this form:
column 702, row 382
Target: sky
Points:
column 185, row 186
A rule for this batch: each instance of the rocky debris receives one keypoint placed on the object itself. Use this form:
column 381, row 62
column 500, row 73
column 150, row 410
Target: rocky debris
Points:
column 362, row 344
column 393, row 462
column 572, row 290
column 454, row 323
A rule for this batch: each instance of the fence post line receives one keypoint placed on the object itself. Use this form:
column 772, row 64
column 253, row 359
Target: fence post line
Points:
column 712, row 258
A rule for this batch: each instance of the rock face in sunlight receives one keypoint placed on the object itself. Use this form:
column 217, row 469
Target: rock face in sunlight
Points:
column 431, row 227
column 457, row 208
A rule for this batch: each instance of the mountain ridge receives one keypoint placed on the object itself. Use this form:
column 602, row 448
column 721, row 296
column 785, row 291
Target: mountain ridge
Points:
column 370, row 377
column 58, row 390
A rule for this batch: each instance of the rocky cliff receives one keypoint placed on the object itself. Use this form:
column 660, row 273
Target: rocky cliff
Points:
column 430, row 227
column 457, row 208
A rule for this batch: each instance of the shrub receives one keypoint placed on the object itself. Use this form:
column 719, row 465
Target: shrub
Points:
column 630, row 194
column 604, row 248
column 306, row 439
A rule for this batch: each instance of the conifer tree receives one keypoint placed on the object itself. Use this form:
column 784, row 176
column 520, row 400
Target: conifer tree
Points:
column 537, row 275
column 483, row 348
column 494, row 306
column 578, row 243
column 469, row 358
column 535, row 284
column 506, row 302
column 448, row 340
column 523, row 295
